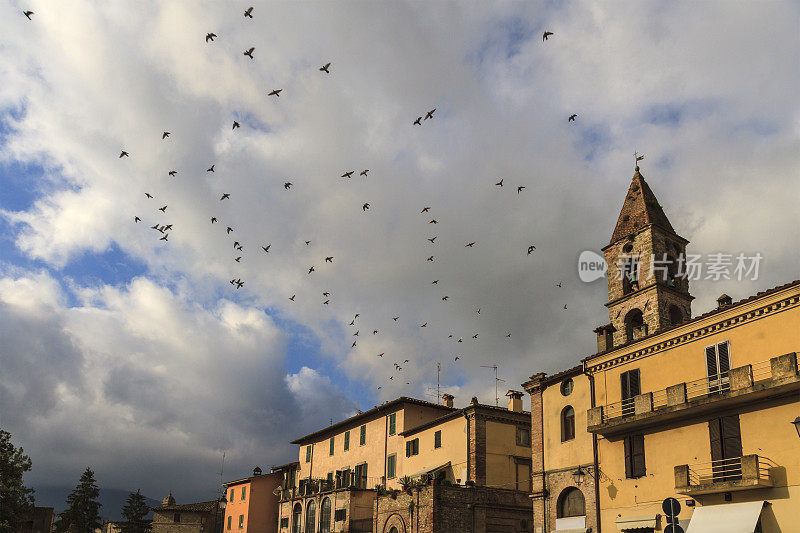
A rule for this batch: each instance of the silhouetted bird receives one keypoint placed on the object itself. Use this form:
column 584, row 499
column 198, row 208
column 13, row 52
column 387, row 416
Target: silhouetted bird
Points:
column 235, row 125
column 266, row 248
column 164, row 238
column 324, row 68
column 433, row 239
column 364, row 172
column 395, row 318
column 531, row 248
column 310, row 270
column 425, row 325
column 249, row 53
column 429, row 114
column 136, row 219
column 287, row 185
column 348, row 174
column 172, row 172
column 499, row 183
column 165, row 135
column 148, row 195
column 123, row 154
column 210, row 169
column 418, row 122
column 275, row 92
column 519, row 189
column 225, row 196
column 329, row 259
column 210, row 37
column 292, row 297
column 425, row 209
column 434, row 282
column 213, row 219
column 430, row 258
column 163, row 209
column 238, row 259
column 249, row 12
column 365, row 207
column 572, row 118
column 28, row 14
column 546, row 34
column 470, row 245
column 229, row 230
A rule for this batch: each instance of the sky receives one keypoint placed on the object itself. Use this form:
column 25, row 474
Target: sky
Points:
column 136, row 356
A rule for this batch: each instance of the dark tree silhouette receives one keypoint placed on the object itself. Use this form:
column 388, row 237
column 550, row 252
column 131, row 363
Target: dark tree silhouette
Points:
column 15, row 498
column 134, row 513
column 83, row 512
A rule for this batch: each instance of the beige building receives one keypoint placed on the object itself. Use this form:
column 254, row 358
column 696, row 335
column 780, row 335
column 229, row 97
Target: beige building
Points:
column 200, row 517
column 703, row 410
column 409, row 448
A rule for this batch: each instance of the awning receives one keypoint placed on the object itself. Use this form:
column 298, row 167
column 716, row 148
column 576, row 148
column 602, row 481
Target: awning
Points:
column 632, row 523
column 726, row 518
column 578, row 530
column 430, row 470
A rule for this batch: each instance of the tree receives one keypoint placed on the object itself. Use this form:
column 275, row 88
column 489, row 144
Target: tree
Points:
column 15, row 498
column 133, row 514
column 83, row 512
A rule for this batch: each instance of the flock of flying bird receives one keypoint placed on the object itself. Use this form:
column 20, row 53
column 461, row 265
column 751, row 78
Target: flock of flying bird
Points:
column 164, row 229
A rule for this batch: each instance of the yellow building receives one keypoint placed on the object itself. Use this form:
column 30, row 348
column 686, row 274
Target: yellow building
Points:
column 696, row 409
column 403, row 445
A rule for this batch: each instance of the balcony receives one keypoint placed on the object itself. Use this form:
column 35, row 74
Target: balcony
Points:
column 768, row 379
column 725, row 475
column 312, row 486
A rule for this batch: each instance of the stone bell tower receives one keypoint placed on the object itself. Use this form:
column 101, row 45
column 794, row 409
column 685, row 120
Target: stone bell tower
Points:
column 647, row 287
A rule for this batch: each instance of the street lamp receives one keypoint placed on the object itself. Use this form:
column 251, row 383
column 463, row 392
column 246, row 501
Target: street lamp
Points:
column 796, row 423
column 578, row 476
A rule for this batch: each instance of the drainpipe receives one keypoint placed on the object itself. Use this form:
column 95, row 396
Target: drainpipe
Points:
column 595, row 458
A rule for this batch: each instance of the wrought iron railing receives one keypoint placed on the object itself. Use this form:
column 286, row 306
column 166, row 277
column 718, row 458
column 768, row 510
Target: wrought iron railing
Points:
column 730, row 469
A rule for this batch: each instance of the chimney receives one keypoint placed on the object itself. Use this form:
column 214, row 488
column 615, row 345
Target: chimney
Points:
column 605, row 337
column 257, row 471
column 514, row 401
column 448, row 399
column 724, row 301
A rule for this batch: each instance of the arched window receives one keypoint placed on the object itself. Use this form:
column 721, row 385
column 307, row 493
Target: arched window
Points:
column 325, row 516
column 635, row 328
column 571, row 503
column 630, row 275
column 567, row 424
column 297, row 513
column 393, row 530
column 311, row 516
column 675, row 315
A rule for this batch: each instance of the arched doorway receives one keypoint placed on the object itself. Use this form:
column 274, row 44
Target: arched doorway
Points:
column 570, row 509
column 311, row 516
column 297, row 513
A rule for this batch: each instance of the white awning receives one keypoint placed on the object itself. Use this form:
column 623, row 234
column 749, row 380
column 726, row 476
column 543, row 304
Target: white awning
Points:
column 432, row 470
column 726, row 518
column 578, row 530
column 632, row 523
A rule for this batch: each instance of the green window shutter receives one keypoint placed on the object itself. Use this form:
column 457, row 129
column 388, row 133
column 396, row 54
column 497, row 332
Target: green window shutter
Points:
column 363, row 436
column 437, row 439
column 408, row 448
column 308, row 453
column 330, row 451
column 346, row 440
column 391, row 466
column 392, row 423
column 244, row 492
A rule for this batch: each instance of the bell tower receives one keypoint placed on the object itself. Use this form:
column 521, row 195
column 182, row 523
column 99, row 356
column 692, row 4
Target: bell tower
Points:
column 647, row 287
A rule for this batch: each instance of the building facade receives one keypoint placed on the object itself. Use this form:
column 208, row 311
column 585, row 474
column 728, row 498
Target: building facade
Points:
column 200, row 517
column 252, row 503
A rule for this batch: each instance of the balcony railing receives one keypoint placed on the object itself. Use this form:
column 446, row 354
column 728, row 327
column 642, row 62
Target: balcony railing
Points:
column 777, row 375
column 724, row 475
column 345, row 480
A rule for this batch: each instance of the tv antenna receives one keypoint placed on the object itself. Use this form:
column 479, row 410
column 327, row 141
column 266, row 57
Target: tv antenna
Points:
column 221, row 470
column 496, row 380
column 430, row 389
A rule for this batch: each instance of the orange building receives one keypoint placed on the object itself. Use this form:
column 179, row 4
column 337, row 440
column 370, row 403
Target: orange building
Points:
column 253, row 503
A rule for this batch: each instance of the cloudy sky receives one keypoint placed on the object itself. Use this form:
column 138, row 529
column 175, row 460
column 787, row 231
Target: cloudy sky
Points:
column 138, row 357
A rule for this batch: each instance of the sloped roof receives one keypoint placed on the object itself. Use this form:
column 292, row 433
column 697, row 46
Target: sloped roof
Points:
column 641, row 208
column 207, row 507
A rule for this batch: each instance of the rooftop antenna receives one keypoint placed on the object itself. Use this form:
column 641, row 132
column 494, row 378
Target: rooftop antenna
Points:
column 221, row 470
column 496, row 380
column 430, row 389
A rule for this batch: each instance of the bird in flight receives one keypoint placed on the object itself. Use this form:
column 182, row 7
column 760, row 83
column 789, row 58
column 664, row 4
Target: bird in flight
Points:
column 348, row 174
column 235, row 125
column 429, row 114
column 519, row 189
column 499, row 183
column 433, row 221
column 224, row 196
column 136, row 219
column 329, row 259
column 249, row 53
column 444, row 298
column 123, row 153
column 546, row 34
column 324, row 68
column 164, row 238
column 326, row 294
column 235, row 244
column 163, row 209
column 470, row 245
column 275, row 92
column 381, row 355
column 172, row 173
column 365, row 206
column 229, row 230
column 374, row 331
column 425, row 325
column 572, row 117
column 356, row 333
column 352, row 322
column 165, row 135
column 249, row 12
column 238, row 259
column 434, row 282
column 326, row 302
column 287, row 185
column 292, row 297
column 430, row 258
column 457, row 358
column 531, row 248
column 210, row 169
column 418, row 122
column 433, row 239
column 395, row 318
column 565, row 306
column 28, row 14
column 364, row 172
column 239, row 284
column 475, row 336
column 479, row 310
column 354, row 345
column 308, row 242
column 310, row 270
column 210, row 37
column 508, row 335
column 425, row 209
column 266, row 248
column 213, row 219
column 558, row 284
column 148, row 195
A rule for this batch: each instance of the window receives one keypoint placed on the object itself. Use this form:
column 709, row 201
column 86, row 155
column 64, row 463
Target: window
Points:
column 241, row 521
column 284, row 522
column 567, row 424
column 362, row 439
column 391, row 466
column 412, row 447
column 329, row 480
column 244, row 492
column 630, row 274
column 308, row 453
column 675, row 315
column 566, row 387
column 339, row 514
column 360, row 475
column 230, row 519
column 392, row 423
column 231, row 497
column 635, row 328
column 524, row 480
column 437, row 439
column 726, row 448
column 176, row 518
column 571, row 503
column 718, row 363
column 630, row 385
column 325, row 516
column 634, row 457
column 297, row 513
column 523, row 437
column 346, row 440
column 330, row 451
column 393, row 530
column 311, row 516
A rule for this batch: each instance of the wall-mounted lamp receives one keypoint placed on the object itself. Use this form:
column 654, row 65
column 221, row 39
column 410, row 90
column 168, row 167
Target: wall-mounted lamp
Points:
column 579, row 475
column 796, row 423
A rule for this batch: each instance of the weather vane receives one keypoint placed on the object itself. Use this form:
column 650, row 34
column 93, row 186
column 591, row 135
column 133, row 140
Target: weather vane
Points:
column 637, row 158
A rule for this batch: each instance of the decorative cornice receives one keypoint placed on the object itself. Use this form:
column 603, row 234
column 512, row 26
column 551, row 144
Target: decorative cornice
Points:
column 705, row 331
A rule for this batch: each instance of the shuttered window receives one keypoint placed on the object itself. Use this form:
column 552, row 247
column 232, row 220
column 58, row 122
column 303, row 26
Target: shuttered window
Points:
column 437, row 439
column 346, row 440
column 726, row 447
column 631, row 387
column 412, row 447
column 634, row 456
column 363, row 436
column 718, row 363
column 308, row 453
column 392, row 423
column 331, row 447
column 391, row 466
